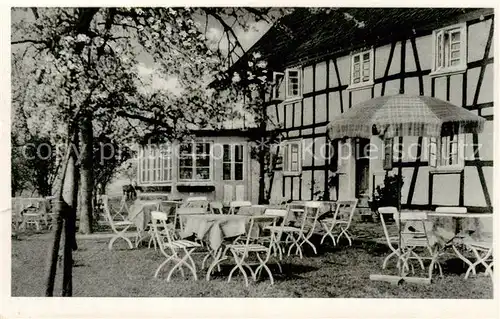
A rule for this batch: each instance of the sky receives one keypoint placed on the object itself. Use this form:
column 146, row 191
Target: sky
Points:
column 155, row 81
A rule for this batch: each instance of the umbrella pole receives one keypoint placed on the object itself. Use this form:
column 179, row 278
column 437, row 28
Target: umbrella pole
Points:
column 398, row 186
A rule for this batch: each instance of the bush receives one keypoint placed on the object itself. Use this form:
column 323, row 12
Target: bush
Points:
column 386, row 194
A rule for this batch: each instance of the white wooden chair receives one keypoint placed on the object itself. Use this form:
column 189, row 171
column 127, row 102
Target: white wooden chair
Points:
column 164, row 237
column 254, row 243
column 413, row 238
column 395, row 252
column 216, row 207
column 277, row 230
column 32, row 213
column 234, row 206
column 169, row 207
column 301, row 235
column 119, row 227
column 341, row 220
column 482, row 248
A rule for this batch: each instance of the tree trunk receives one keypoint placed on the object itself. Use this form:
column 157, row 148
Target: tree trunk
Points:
column 86, row 172
column 71, row 197
column 61, row 212
column 263, row 148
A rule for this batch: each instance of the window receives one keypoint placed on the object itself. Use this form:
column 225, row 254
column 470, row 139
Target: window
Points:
column 362, row 69
column 195, row 161
column 155, row 165
column 450, row 49
column 446, row 152
column 232, row 162
column 277, row 93
column 293, row 83
column 292, row 158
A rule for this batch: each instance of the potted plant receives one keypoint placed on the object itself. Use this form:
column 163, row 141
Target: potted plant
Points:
column 387, row 194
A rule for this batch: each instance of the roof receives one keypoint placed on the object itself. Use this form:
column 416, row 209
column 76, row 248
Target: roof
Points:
column 305, row 34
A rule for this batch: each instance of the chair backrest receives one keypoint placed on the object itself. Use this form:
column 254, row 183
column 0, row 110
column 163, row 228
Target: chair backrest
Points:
column 414, row 233
column 279, row 214
column 451, row 209
column 196, row 199
column 107, row 211
column 216, row 207
column 161, row 228
column 200, row 201
column 253, row 232
column 345, row 210
column 234, row 205
column 389, row 210
column 310, row 216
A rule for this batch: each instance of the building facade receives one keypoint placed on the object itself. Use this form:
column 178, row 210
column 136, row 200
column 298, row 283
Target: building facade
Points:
column 324, row 63
column 443, row 53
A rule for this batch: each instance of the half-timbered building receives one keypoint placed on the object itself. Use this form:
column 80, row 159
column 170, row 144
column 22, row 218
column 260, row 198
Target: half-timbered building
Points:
column 327, row 62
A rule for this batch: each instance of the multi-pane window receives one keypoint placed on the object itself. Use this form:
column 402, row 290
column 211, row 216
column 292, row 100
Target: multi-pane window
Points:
column 155, row 165
column 195, row 161
column 447, row 151
column 232, row 162
column 293, row 83
column 362, row 68
column 292, row 157
column 450, row 48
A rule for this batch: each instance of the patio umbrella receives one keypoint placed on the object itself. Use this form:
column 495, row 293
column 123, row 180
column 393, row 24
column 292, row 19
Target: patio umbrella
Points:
column 404, row 115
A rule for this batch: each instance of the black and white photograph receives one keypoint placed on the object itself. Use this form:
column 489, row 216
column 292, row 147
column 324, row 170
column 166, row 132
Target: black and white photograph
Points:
column 251, row 152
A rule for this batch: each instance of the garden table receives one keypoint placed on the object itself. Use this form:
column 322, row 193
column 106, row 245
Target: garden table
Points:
column 451, row 229
column 140, row 212
column 213, row 228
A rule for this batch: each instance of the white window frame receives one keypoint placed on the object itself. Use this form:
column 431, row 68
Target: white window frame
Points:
column 276, row 85
column 289, row 95
column 439, row 153
column 287, row 157
column 232, row 162
column 362, row 84
column 193, row 155
column 440, row 63
column 157, row 156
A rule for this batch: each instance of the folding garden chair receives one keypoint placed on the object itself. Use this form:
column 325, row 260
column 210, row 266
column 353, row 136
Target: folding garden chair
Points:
column 301, row 235
column 414, row 236
column 255, row 243
column 216, row 207
column 236, row 205
column 482, row 248
column 164, row 237
column 169, row 207
column 118, row 227
column 32, row 213
column 196, row 202
column 341, row 220
column 395, row 252
column 277, row 230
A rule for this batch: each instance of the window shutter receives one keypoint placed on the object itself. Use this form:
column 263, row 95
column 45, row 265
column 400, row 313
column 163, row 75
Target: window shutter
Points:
column 277, row 84
column 433, row 152
column 388, row 154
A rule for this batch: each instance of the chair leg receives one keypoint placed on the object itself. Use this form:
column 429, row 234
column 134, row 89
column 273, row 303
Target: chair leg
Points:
column 328, row 231
column 479, row 260
column 120, row 235
column 264, row 265
column 162, row 264
column 346, row 235
column 464, row 259
column 238, row 266
column 393, row 253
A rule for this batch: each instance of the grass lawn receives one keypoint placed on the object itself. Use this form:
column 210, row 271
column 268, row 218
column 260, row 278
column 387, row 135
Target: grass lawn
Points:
column 335, row 272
